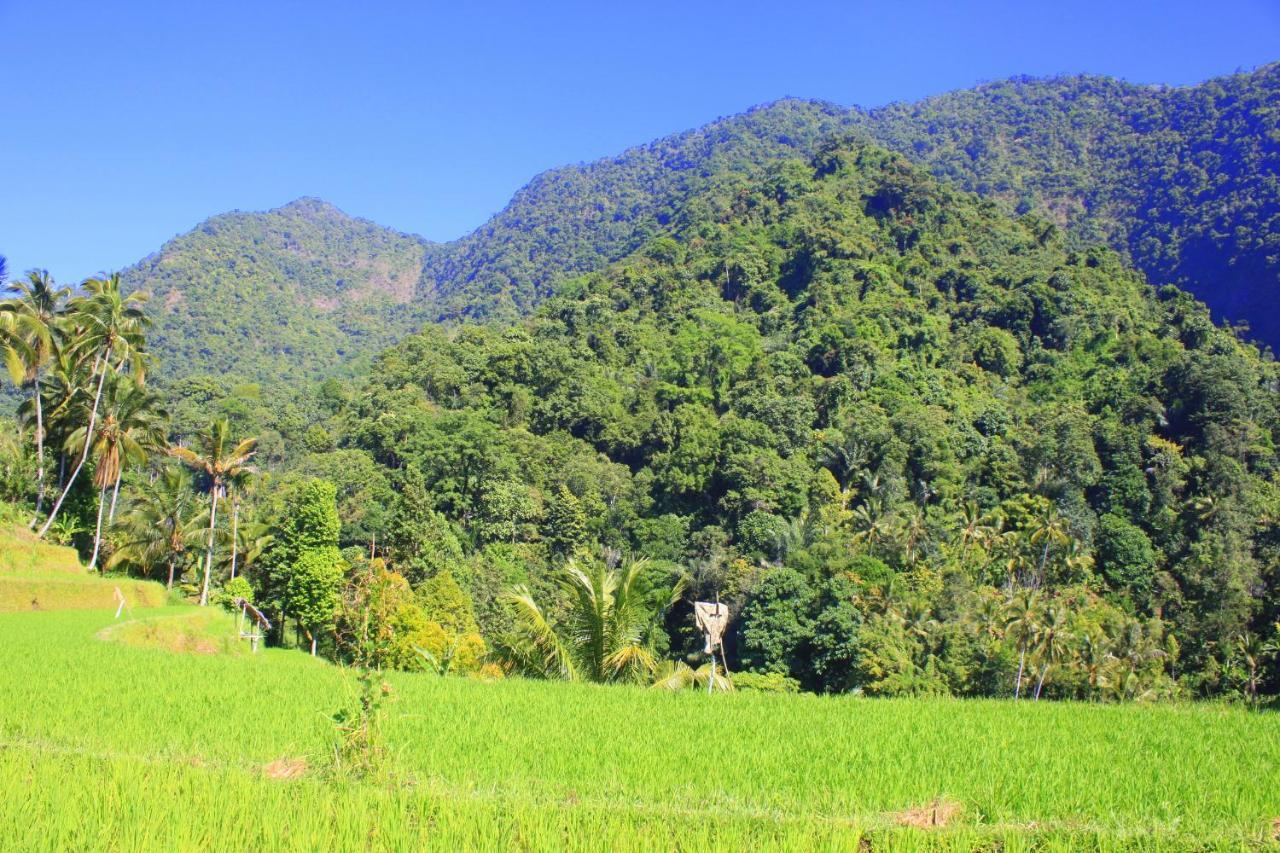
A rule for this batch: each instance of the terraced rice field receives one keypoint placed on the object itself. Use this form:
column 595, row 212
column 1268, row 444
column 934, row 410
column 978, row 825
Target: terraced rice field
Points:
column 111, row 744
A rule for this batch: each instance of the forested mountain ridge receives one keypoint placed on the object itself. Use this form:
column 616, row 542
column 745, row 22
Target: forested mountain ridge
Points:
column 296, row 293
column 1181, row 180
column 579, row 218
column 1184, row 181
column 873, row 413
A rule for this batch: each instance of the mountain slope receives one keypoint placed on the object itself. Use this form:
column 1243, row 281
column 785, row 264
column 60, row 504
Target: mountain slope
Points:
column 1185, row 181
column 579, row 218
column 1182, row 181
column 300, row 292
column 850, row 398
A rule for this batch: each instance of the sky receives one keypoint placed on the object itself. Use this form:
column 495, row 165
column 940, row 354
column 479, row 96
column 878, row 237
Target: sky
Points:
column 127, row 123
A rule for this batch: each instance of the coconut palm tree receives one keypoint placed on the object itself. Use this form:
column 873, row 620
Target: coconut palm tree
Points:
column 975, row 529
column 1049, row 530
column 163, row 522
column 132, row 426
column 35, row 312
column 220, row 461
column 109, row 333
column 1052, row 642
column 1095, row 655
column 1022, row 623
column 603, row 635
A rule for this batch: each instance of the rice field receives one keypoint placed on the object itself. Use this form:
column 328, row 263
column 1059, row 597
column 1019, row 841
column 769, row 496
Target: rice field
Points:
column 107, row 743
column 36, row 575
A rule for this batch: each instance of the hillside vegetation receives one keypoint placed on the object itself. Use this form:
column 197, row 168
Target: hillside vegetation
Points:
column 1182, row 181
column 878, row 416
column 35, row 575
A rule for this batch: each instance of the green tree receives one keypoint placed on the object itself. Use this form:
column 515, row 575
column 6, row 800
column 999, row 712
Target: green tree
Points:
column 220, row 460
column 163, row 524
column 110, row 335
column 35, row 313
column 312, row 591
column 602, row 635
column 132, row 426
column 566, row 524
column 777, row 624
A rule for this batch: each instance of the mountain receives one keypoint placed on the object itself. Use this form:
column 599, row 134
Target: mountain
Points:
column 860, row 404
column 1183, row 182
column 297, row 293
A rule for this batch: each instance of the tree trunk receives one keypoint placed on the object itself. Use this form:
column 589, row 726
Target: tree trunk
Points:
column 208, row 554
column 97, row 530
column 235, row 525
column 39, row 458
column 84, row 454
column 312, row 638
column 1022, row 660
column 169, row 585
column 115, row 494
column 1044, row 669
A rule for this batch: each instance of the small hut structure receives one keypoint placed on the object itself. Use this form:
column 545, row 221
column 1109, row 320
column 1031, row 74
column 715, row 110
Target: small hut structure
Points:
column 712, row 618
column 253, row 624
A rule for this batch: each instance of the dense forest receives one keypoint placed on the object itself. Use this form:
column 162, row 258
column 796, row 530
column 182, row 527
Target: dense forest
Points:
column 1182, row 181
column 870, row 412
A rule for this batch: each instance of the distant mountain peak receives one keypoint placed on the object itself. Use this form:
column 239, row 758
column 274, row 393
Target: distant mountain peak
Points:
column 312, row 207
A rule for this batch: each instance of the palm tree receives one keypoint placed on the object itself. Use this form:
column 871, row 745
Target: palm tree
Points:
column 911, row 532
column 603, row 637
column 974, row 528
column 132, row 426
column 1053, row 642
column 111, row 326
column 220, row 461
column 162, row 524
column 36, row 311
column 872, row 528
column 1095, row 653
column 1022, row 623
column 1049, row 530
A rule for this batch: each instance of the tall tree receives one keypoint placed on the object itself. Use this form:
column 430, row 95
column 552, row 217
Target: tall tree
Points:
column 36, row 309
column 219, row 460
column 109, row 331
column 133, row 425
column 1022, row 624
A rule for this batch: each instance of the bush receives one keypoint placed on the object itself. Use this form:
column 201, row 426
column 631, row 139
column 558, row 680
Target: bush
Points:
column 771, row 682
column 232, row 590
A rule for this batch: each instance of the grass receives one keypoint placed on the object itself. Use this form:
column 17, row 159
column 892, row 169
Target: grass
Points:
column 22, row 552
column 194, row 630
column 159, row 731
column 36, row 575
column 106, row 744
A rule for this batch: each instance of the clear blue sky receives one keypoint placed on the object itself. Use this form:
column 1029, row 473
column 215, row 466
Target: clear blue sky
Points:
column 127, row 123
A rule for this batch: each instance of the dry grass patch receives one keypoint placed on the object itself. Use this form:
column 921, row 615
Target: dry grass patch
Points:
column 941, row 812
column 68, row 592
column 21, row 551
column 285, row 768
